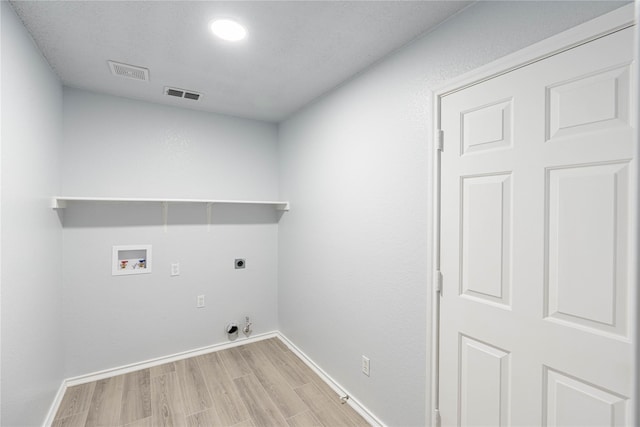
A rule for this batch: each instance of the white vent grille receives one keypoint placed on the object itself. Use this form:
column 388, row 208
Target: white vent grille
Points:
column 182, row 93
column 129, row 71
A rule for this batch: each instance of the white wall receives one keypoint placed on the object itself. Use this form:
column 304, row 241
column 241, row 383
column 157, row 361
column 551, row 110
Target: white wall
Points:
column 32, row 342
column 637, row 239
column 352, row 255
column 118, row 147
column 354, row 252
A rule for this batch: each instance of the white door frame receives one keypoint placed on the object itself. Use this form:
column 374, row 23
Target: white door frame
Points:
column 606, row 24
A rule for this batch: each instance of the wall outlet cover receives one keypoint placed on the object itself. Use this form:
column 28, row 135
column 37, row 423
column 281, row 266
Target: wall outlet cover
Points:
column 175, row 269
column 366, row 367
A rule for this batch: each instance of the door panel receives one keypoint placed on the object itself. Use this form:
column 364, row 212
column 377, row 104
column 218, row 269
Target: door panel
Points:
column 587, row 280
column 597, row 407
column 536, row 207
column 584, row 104
column 487, row 127
column 486, row 212
column 486, row 367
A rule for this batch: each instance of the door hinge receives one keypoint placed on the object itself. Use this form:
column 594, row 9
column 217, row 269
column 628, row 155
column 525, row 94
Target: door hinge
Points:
column 440, row 140
column 439, row 282
column 437, row 418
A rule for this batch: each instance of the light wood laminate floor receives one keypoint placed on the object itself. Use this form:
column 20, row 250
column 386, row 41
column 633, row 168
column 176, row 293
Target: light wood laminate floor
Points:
column 258, row 384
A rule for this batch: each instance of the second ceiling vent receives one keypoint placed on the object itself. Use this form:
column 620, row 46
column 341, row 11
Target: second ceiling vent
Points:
column 182, row 93
column 129, row 71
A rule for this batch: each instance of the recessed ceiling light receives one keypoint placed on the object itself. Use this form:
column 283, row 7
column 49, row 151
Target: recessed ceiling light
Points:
column 228, row 30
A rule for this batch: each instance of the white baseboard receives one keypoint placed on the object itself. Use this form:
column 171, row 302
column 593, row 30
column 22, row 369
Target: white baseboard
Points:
column 53, row 410
column 341, row 391
column 99, row 375
column 106, row 373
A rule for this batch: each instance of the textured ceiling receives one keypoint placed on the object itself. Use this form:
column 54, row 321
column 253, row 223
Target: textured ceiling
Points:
column 295, row 52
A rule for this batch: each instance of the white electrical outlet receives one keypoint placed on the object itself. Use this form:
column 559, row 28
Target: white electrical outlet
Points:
column 365, row 366
column 200, row 301
column 175, row 269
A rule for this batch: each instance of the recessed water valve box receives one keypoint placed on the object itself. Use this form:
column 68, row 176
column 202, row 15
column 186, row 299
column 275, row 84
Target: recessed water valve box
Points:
column 240, row 263
column 131, row 259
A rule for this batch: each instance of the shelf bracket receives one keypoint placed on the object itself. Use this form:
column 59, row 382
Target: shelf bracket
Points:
column 165, row 215
column 58, row 204
column 283, row 207
column 209, row 216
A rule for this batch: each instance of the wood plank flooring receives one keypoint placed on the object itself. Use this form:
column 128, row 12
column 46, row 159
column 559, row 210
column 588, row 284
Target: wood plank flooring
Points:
column 256, row 385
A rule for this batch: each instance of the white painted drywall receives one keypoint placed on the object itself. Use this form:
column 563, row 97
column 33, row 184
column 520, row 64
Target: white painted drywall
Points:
column 354, row 252
column 32, row 342
column 114, row 146
column 636, row 273
column 119, row 147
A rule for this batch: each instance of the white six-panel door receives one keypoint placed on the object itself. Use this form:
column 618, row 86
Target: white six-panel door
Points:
column 536, row 209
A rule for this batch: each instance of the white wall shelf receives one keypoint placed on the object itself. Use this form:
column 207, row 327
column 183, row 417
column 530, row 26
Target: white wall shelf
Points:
column 60, row 202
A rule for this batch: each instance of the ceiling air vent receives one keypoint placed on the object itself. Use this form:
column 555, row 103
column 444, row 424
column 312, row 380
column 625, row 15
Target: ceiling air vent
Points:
column 129, row 71
column 182, row 93
column 175, row 92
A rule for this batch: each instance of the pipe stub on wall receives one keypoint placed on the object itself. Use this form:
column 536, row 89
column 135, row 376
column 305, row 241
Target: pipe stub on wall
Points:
column 232, row 330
